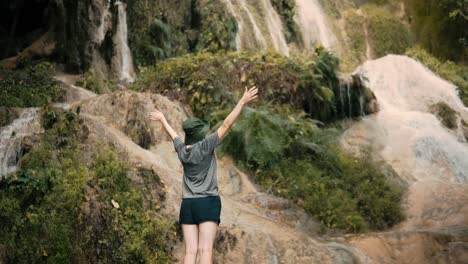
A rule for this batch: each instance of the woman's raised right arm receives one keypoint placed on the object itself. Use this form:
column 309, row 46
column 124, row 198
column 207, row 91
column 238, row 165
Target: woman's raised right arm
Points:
column 248, row 96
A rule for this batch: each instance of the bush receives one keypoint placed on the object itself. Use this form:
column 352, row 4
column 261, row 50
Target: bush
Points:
column 95, row 84
column 386, row 33
column 354, row 26
column 164, row 29
column 290, row 156
column 29, row 87
column 63, row 203
column 437, row 30
column 208, row 82
column 456, row 73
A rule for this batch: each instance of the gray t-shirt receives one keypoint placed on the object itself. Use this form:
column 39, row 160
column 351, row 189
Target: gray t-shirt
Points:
column 199, row 162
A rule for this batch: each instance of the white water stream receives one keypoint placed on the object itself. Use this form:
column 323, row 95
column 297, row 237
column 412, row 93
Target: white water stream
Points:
column 124, row 56
column 406, row 134
column 12, row 135
column 313, row 24
column 260, row 26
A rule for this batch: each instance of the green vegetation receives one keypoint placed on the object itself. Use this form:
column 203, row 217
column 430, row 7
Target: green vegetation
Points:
column 287, row 10
column 208, row 82
column 449, row 70
column 57, row 208
column 439, row 28
column 290, row 156
column 29, row 87
column 98, row 85
column 354, row 27
column 164, row 29
column 446, row 114
column 387, row 34
column 7, row 115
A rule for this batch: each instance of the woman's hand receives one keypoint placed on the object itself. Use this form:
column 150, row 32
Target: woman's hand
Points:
column 156, row 115
column 249, row 95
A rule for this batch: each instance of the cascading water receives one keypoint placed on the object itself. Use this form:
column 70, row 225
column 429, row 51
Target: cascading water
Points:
column 313, row 24
column 404, row 132
column 259, row 24
column 11, row 137
column 275, row 28
column 123, row 60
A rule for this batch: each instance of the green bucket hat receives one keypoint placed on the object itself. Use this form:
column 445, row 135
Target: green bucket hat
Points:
column 195, row 130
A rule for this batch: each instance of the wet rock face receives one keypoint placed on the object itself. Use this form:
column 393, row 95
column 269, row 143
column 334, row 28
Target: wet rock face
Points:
column 353, row 98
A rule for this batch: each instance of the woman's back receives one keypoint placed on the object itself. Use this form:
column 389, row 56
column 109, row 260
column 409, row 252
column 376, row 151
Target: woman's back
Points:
column 199, row 162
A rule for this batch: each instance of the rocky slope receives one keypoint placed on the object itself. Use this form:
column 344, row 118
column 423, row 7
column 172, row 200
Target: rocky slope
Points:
column 255, row 227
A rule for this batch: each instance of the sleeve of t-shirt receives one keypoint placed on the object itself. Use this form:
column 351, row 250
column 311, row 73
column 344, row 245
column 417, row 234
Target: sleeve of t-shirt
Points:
column 178, row 144
column 210, row 142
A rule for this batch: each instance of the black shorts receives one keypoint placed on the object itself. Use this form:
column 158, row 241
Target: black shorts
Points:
column 200, row 209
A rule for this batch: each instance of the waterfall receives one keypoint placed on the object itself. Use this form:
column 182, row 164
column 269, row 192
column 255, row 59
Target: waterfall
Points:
column 257, row 33
column 404, row 132
column 350, row 103
column 11, row 137
column 313, row 24
column 275, row 28
column 124, row 64
column 260, row 26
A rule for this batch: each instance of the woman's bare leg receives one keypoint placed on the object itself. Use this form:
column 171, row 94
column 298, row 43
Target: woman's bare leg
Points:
column 191, row 243
column 207, row 234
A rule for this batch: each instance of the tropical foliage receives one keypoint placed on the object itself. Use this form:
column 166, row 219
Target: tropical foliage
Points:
column 62, row 206
column 29, row 86
column 208, row 81
column 291, row 156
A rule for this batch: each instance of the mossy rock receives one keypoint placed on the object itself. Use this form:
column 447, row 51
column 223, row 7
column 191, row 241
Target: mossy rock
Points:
column 446, row 114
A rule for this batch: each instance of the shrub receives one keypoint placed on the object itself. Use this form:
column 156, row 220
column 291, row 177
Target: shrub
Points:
column 437, row 30
column 290, row 156
column 63, row 203
column 387, row 34
column 164, row 29
column 29, row 87
column 94, row 83
column 354, row 26
column 208, row 82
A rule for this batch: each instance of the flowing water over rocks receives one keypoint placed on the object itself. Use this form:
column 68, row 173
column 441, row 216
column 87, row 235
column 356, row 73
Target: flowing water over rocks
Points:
column 17, row 137
column 430, row 158
column 260, row 26
column 313, row 24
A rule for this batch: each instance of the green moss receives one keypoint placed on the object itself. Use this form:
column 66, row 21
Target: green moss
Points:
column 61, row 199
column 387, row 34
column 289, row 155
column 449, row 70
column 208, row 82
column 29, row 87
column 97, row 85
column 354, row 27
column 436, row 30
column 446, row 114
